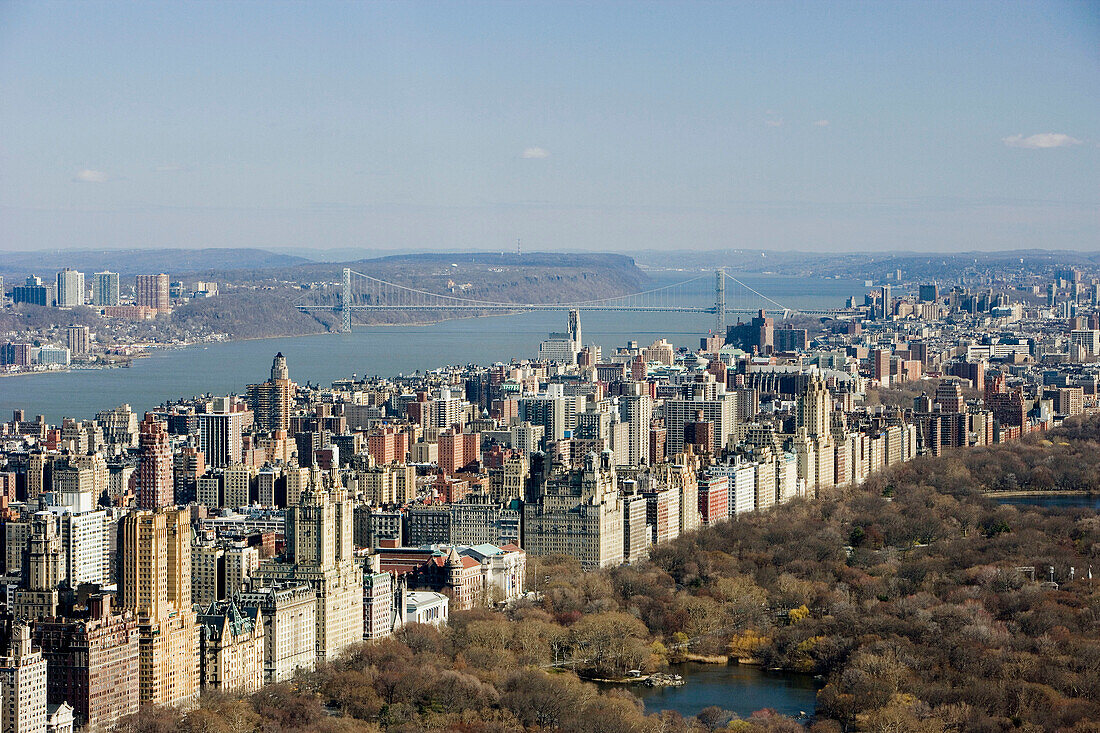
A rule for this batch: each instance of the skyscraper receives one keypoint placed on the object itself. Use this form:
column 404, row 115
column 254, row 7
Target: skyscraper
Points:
column 105, row 289
column 814, row 408
column 271, row 401
column 563, row 347
column 220, row 434
column 70, row 288
column 151, row 291
column 155, row 585
column 43, row 571
column 155, row 488
column 320, row 551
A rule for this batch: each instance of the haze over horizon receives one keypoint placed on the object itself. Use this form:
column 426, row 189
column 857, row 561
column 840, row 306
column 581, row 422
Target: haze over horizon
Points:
column 617, row 127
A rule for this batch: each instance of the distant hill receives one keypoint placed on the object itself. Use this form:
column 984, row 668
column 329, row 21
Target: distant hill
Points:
column 943, row 266
column 137, row 261
column 259, row 301
column 544, row 276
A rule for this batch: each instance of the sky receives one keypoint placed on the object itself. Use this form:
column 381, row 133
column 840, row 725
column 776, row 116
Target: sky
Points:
column 606, row 126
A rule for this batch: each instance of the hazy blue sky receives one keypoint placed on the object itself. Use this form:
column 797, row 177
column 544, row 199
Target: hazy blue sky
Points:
column 617, row 126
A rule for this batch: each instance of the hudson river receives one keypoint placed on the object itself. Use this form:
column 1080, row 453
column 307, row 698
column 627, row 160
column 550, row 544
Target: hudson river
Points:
column 387, row 350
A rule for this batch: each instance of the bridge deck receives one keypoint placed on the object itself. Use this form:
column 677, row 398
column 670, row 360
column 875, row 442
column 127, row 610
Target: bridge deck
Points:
column 517, row 307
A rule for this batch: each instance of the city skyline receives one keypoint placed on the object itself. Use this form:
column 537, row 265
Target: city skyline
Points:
column 154, row 555
column 614, row 127
column 505, row 367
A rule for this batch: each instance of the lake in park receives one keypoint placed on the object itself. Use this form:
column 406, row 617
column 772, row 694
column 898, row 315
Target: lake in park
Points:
column 1053, row 501
column 740, row 688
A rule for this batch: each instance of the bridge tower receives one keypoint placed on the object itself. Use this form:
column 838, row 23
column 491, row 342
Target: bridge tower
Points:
column 720, row 302
column 345, row 301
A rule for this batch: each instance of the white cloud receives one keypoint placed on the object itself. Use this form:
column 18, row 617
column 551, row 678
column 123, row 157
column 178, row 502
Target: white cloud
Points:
column 774, row 123
column 821, row 123
column 87, row 175
column 1040, row 140
column 535, row 153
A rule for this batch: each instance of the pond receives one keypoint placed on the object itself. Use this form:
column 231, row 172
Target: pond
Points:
column 742, row 689
column 1053, row 501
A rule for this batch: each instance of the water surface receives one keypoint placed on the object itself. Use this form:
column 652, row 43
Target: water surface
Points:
column 1053, row 501
column 743, row 689
column 387, row 350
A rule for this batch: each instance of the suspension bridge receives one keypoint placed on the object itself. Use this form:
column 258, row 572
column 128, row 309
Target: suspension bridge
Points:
column 358, row 291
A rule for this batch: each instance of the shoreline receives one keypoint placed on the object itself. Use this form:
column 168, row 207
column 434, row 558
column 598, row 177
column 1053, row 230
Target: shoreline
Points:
column 214, row 340
column 164, row 347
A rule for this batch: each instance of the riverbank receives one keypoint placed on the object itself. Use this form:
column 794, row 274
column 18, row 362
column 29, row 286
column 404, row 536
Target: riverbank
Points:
column 123, row 362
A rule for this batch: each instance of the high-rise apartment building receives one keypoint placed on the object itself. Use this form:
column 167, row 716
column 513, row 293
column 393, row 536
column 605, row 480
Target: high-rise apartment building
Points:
column 457, row 450
column 43, row 571
column 756, row 336
column 949, row 396
column 718, row 407
column 447, row 410
column 155, row 585
column 34, row 292
column 120, row 426
column 220, row 569
column 527, row 437
column 105, row 291
column 85, row 546
column 387, row 444
column 391, row 483
column 576, row 513
column 289, row 615
column 881, row 360
column 271, row 401
column 377, row 605
column 815, row 406
column 155, row 487
column 220, row 434
column 320, row 551
column 237, row 485
column 636, row 411
column 77, row 340
column 70, row 288
column 93, row 663
column 546, row 410
column 22, row 685
column 151, row 291
column 886, row 303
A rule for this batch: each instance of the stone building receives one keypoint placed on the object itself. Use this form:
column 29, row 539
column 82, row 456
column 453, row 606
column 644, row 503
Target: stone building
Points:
column 232, row 647
column 320, row 553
